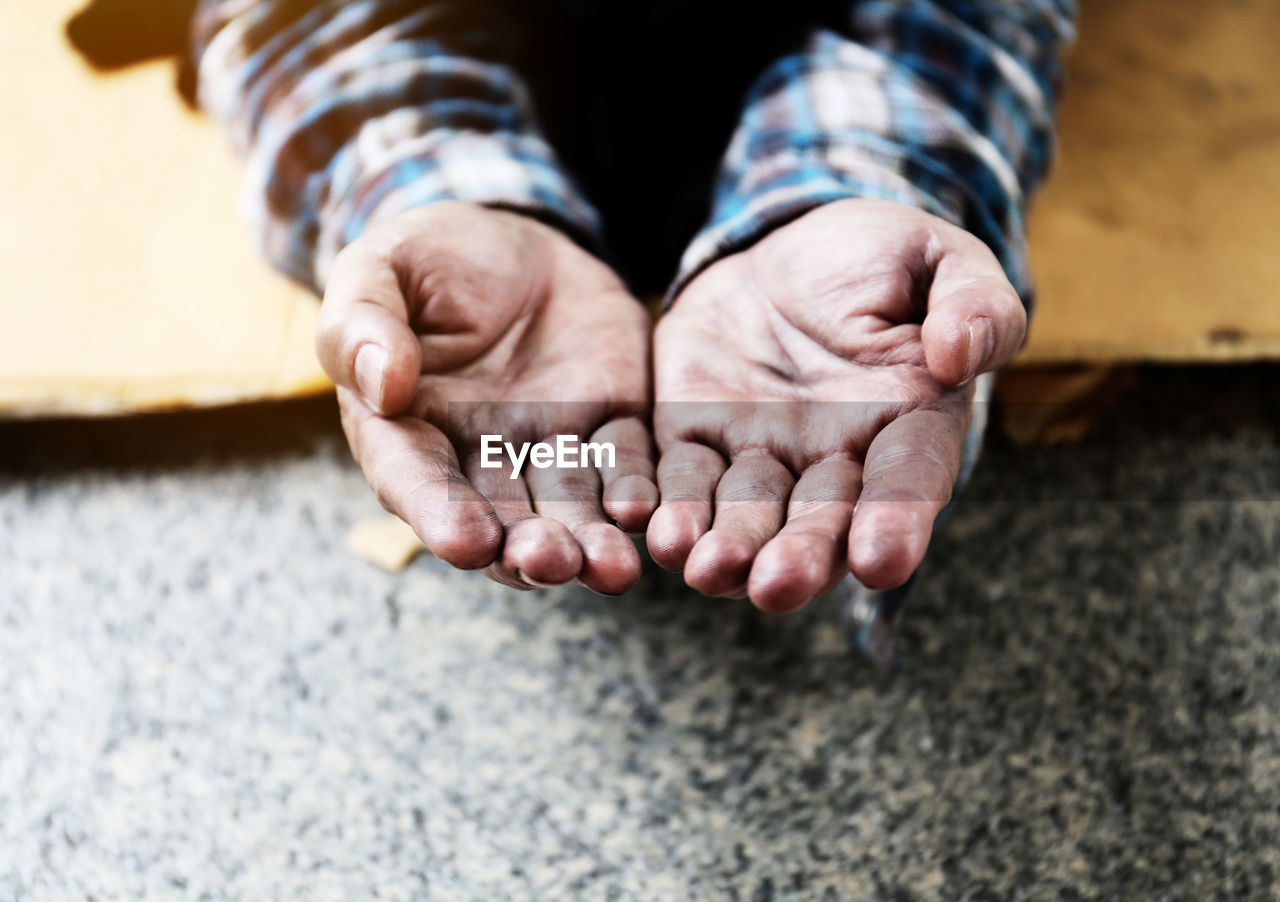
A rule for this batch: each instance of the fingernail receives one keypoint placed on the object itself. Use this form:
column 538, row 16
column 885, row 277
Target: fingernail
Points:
column 371, row 368
column 982, row 341
column 578, row 582
column 537, row 584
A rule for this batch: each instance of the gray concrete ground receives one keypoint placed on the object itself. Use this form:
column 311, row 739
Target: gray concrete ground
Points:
column 203, row 697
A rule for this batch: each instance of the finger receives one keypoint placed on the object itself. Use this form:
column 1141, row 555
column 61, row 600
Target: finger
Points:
column 687, row 478
column 751, row 503
column 539, row 552
column 908, row 476
column 630, row 492
column 975, row 321
column 412, row 469
column 808, row 557
column 571, row 496
column 363, row 337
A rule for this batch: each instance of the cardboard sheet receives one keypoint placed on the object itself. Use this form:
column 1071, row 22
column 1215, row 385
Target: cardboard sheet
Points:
column 130, row 283
column 128, row 280
column 1158, row 237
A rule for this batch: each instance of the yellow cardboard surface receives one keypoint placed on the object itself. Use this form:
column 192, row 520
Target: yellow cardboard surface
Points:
column 127, row 279
column 130, row 283
column 1158, row 236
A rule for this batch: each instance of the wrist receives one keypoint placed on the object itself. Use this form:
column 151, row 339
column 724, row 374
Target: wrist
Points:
column 502, row 171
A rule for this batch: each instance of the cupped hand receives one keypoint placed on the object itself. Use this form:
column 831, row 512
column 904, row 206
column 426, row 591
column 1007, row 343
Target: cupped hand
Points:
column 453, row 321
column 813, row 394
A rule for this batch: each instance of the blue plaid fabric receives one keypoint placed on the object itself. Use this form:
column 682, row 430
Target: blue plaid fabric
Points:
column 944, row 106
column 351, row 112
column 348, row 112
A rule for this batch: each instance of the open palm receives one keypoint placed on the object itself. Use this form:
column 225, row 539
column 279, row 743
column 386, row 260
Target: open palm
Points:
column 453, row 321
column 813, row 394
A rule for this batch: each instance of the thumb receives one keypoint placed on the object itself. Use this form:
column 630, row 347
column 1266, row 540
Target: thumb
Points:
column 363, row 337
column 975, row 321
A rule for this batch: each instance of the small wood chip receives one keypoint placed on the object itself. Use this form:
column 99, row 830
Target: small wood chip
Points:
column 385, row 542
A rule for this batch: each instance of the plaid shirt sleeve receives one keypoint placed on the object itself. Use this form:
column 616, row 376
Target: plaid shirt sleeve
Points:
column 349, row 112
column 943, row 105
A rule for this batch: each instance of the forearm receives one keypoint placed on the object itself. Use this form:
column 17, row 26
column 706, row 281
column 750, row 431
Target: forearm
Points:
column 347, row 113
column 938, row 104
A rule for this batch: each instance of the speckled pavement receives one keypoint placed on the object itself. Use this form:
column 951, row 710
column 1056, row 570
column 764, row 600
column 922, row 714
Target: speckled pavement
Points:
column 203, row 697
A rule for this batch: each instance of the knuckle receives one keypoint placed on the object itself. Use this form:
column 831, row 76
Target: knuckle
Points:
column 375, row 248
column 686, row 472
column 383, row 492
column 329, row 329
column 335, row 346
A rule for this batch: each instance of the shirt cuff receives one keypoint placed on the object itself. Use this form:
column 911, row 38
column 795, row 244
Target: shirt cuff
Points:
column 790, row 182
column 505, row 170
